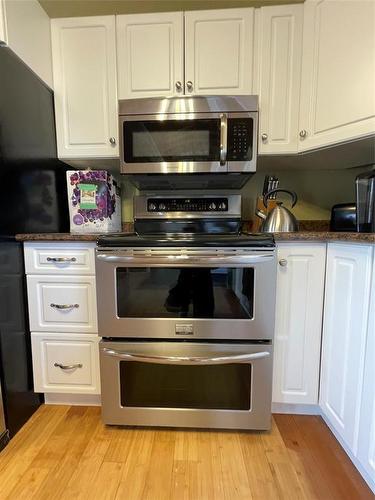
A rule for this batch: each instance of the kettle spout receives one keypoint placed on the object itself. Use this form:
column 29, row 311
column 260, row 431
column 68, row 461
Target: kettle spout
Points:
column 260, row 214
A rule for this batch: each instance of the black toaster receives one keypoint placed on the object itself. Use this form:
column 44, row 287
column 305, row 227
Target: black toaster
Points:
column 344, row 217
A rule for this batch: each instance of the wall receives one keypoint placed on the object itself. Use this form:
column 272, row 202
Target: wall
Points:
column 317, row 191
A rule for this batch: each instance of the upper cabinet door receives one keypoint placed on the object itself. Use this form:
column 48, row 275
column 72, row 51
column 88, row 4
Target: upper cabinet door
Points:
column 84, row 73
column 338, row 72
column 279, row 70
column 346, row 312
column 150, row 55
column 25, row 27
column 219, row 51
column 3, row 26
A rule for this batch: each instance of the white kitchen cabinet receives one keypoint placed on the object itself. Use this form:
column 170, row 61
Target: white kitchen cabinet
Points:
column 61, row 292
column 150, row 54
column 3, row 26
column 219, row 51
column 299, row 310
column 25, row 28
column 84, row 74
column 338, row 72
column 59, row 258
column 62, row 303
column 65, row 363
column 279, row 48
column 346, row 313
column 366, row 439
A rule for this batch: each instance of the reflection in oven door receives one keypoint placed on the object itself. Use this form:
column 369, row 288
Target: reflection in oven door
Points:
column 187, row 384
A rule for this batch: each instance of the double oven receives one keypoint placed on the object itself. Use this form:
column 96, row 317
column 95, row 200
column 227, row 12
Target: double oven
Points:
column 187, row 329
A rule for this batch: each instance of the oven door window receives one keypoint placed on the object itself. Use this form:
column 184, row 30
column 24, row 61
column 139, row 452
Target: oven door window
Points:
column 219, row 387
column 171, row 140
column 220, row 293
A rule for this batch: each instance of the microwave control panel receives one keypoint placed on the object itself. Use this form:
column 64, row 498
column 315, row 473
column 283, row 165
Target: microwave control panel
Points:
column 240, row 133
column 187, row 204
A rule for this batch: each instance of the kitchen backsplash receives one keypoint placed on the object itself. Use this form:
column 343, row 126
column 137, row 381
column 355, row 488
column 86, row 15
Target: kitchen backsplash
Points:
column 317, row 191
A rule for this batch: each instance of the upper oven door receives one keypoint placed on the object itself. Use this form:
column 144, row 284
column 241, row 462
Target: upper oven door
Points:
column 188, row 143
column 168, row 295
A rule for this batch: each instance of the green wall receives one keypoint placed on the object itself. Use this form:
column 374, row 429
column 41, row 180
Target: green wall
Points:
column 317, row 191
column 75, row 8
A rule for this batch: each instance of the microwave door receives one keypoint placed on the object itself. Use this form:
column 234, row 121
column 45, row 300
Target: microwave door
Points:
column 191, row 143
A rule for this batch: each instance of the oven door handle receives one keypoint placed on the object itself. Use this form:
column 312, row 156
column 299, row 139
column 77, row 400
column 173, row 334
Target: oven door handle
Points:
column 186, row 360
column 185, row 259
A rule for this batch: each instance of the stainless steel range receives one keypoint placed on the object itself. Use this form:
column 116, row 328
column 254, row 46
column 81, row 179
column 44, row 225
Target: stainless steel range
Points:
column 186, row 310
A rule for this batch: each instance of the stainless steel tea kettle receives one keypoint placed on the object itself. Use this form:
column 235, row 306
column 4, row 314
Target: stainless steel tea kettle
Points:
column 280, row 219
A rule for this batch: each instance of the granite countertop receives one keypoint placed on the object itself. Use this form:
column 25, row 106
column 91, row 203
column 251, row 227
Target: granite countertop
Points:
column 56, row 237
column 303, row 235
column 326, row 236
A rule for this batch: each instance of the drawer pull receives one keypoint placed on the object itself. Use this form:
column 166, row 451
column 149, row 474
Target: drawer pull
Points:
column 68, row 367
column 61, row 259
column 65, row 306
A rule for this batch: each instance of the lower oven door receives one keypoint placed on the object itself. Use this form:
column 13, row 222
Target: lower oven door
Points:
column 187, row 384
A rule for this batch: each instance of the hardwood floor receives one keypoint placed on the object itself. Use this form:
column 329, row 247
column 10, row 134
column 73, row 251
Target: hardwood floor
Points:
column 67, row 453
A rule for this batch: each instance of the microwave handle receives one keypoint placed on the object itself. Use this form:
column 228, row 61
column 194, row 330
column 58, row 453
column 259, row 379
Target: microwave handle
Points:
column 223, row 138
column 186, row 360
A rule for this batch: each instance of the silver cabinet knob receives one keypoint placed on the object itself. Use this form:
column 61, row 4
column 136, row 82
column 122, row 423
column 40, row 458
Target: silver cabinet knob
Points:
column 112, row 140
column 283, row 262
column 178, row 86
column 264, row 137
column 303, row 134
column 189, row 85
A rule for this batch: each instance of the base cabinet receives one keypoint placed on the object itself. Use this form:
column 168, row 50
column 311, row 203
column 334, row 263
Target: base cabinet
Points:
column 299, row 309
column 61, row 292
column 345, row 330
column 366, row 438
column 66, row 363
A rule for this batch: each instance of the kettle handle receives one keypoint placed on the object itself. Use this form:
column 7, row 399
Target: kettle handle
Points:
column 292, row 194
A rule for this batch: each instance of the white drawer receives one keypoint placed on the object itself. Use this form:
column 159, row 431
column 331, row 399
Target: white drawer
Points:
column 65, row 363
column 62, row 304
column 60, row 258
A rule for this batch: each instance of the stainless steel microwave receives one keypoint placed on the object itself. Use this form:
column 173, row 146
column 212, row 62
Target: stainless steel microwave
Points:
column 188, row 135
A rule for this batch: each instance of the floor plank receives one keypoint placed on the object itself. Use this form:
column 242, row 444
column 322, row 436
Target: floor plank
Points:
column 315, row 451
column 66, row 452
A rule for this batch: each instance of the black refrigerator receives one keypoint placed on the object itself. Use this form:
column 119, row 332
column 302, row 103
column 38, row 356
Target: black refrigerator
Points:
column 33, row 199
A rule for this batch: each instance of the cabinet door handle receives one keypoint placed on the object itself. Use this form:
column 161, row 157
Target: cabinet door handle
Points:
column 264, row 137
column 189, row 85
column 283, row 262
column 68, row 367
column 61, row 259
column 64, row 306
column 178, row 86
column 112, row 140
column 303, row 134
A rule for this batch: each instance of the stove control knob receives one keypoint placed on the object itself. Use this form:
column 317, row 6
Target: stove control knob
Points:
column 222, row 206
column 212, row 206
column 161, row 206
column 152, row 206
